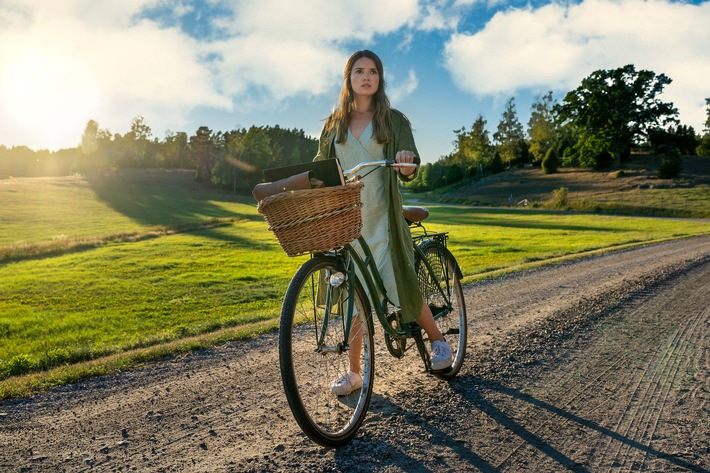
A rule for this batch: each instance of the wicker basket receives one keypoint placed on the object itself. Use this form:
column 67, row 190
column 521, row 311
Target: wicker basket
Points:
column 312, row 220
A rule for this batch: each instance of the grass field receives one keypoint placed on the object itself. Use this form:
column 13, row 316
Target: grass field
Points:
column 99, row 274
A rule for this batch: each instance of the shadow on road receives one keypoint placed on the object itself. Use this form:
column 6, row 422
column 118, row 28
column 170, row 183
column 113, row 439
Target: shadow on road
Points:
column 480, row 398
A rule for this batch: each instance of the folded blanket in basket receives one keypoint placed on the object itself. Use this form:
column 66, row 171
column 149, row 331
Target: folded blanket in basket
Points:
column 304, row 180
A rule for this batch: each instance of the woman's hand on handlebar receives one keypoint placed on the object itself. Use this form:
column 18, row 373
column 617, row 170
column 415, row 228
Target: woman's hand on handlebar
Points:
column 405, row 157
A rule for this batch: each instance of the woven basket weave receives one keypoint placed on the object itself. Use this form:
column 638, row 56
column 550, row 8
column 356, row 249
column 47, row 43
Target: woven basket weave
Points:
column 312, row 220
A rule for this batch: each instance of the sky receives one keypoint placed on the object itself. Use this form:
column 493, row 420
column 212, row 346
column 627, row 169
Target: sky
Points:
column 227, row 64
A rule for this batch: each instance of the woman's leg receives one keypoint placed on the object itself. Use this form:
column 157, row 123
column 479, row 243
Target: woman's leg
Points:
column 426, row 321
column 346, row 382
column 441, row 356
column 355, row 350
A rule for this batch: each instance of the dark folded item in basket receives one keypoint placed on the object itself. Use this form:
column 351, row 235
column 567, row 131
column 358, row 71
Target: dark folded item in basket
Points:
column 327, row 170
column 304, row 180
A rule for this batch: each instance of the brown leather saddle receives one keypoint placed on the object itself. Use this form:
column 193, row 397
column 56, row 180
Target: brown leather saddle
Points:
column 414, row 214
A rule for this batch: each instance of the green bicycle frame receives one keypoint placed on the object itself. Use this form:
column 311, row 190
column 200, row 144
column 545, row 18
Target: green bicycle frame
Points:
column 376, row 289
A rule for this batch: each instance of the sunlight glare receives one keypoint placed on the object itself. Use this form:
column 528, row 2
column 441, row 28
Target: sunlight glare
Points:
column 49, row 95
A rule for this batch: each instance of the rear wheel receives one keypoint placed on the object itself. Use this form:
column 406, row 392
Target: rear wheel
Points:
column 451, row 317
column 313, row 352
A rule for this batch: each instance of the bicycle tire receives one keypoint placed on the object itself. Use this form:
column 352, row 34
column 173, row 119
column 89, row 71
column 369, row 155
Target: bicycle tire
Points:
column 308, row 370
column 453, row 325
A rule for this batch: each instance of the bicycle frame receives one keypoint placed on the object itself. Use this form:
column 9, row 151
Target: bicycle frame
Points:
column 375, row 286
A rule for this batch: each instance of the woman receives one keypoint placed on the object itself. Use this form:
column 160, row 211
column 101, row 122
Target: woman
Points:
column 364, row 127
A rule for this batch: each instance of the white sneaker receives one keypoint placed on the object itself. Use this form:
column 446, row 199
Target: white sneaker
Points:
column 346, row 383
column 440, row 355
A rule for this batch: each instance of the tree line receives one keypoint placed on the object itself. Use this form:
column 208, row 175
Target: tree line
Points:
column 595, row 126
column 232, row 160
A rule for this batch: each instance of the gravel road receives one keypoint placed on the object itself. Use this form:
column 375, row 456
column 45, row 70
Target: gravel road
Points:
column 596, row 365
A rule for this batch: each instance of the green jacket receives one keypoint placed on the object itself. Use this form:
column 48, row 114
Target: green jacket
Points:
column 410, row 297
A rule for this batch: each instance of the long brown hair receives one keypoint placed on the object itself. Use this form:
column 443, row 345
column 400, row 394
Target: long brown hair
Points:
column 340, row 118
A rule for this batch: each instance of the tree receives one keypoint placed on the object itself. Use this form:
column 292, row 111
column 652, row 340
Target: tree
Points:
column 106, row 149
column 175, row 149
column 227, row 167
column 509, row 136
column 137, row 141
column 542, row 127
column 240, row 156
column 474, row 150
column 89, row 147
column 436, row 175
column 613, row 109
column 703, row 148
column 202, row 153
column 256, row 149
column 681, row 137
column 89, row 139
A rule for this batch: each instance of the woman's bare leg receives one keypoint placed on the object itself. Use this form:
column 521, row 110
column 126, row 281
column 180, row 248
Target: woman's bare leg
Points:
column 426, row 321
column 355, row 350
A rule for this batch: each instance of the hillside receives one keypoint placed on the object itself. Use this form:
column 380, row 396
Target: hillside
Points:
column 636, row 189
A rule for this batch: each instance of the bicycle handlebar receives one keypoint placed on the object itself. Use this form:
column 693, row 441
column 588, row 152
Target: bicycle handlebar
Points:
column 386, row 163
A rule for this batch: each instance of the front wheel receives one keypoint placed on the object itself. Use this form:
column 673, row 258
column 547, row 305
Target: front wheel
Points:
column 314, row 352
column 438, row 286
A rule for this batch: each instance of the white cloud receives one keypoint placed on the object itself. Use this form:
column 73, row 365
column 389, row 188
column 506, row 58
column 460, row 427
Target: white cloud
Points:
column 400, row 90
column 128, row 66
column 555, row 46
column 322, row 20
column 296, row 51
column 280, row 67
column 264, row 52
column 437, row 17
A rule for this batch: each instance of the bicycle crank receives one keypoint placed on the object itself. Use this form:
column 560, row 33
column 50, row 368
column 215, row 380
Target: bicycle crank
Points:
column 396, row 345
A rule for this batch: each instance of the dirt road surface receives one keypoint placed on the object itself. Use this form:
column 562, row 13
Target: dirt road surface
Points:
column 597, row 365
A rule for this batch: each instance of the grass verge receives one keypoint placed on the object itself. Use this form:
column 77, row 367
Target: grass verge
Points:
column 33, row 383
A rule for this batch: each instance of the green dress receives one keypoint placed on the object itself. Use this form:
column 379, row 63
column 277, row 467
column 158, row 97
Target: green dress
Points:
column 398, row 264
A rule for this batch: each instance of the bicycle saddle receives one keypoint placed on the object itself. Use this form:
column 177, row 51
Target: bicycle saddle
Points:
column 414, row 214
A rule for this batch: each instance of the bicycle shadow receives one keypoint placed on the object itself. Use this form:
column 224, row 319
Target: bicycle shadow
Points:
column 535, row 441
column 391, row 452
column 474, row 395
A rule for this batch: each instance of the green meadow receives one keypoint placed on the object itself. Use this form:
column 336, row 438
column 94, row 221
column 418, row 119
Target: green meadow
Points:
column 106, row 272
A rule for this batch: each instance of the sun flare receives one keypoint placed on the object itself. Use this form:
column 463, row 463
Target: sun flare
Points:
column 48, row 96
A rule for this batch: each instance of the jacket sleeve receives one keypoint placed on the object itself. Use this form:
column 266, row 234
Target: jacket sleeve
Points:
column 404, row 140
column 323, row 145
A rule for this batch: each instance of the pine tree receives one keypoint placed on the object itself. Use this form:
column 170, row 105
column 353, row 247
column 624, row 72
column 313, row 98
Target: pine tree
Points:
column 509, row 137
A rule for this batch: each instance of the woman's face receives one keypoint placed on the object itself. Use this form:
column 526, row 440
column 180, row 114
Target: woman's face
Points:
column 364, row 77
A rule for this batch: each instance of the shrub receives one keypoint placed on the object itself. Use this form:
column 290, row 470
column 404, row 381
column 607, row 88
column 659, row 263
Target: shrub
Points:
column 497, row 163
column 671, row 165
column 703, row 148
column 604, row 160
column 550, row 162
column 19, row 364
column 560, row 198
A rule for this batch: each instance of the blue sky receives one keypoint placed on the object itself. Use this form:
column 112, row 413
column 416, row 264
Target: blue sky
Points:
column 226, row 64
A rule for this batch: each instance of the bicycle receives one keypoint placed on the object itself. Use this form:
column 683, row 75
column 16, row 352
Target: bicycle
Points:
column 326, row 309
